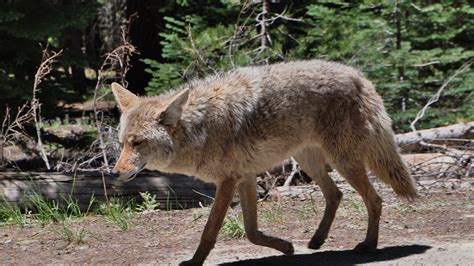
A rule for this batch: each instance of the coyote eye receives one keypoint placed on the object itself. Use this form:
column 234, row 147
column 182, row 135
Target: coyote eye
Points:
column 136, row 142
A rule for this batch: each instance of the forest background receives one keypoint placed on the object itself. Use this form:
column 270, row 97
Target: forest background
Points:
column 409, row 49
column 59, row 122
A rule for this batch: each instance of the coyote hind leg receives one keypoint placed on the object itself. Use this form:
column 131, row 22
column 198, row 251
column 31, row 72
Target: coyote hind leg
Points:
column 248, row 199
column 356, row 175
column 312, row 162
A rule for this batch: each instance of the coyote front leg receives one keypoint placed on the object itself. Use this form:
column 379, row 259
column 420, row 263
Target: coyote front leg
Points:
column 248, row 200
column 224, row 193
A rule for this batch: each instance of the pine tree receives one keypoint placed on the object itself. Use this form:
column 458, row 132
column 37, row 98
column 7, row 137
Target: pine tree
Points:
column 407, row 48
column 200, row 41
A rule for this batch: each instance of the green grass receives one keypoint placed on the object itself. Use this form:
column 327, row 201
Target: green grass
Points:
column 118, row 212
column 12, row 214
column 405, row 207
column 172, row 201
column 44, row 211
column 308, row 210
column 73, row 209
column 41, row 210
column 352, row 201
column 233, row 226
column 65, row 214
column 148, row 203
column 272, row 213
column 71, row 234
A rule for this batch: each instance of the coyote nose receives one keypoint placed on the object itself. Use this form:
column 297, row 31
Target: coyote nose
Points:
column 115, row 173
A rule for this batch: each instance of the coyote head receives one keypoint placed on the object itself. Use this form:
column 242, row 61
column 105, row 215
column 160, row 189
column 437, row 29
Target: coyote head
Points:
column 146, row 127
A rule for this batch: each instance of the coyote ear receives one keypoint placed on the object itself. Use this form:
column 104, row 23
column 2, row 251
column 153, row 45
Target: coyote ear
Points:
column 123, row 97
column 173, row 111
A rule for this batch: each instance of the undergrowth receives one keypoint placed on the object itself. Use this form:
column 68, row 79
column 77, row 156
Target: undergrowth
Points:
column 118, row 212
column 233, row 226
column 66, row 214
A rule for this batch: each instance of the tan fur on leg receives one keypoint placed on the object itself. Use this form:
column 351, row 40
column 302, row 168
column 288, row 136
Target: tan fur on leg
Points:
column 312, row 162
column 358, row 179
column 224, row 193
column 248, row 199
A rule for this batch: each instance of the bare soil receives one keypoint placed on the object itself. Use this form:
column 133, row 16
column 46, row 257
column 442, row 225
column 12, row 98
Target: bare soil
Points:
column 438, row 228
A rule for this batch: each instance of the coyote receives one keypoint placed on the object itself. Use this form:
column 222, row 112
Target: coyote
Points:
column 229, row 127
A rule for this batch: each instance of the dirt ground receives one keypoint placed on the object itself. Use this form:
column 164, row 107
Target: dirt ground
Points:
column 436, row 229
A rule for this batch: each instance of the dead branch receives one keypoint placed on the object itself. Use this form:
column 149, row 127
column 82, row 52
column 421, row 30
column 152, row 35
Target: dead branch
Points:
column 269, row 189
column 105, row 149
column 455, row 164
column 283, row 17
column 13, row 130
column 116, row 61
column 196, row 50
column 426, row 64
column 239, row 30
column 454, row 156
column 262, row 21
column 294, row 170
column 436, row 96
column 43, row 70
column 265, row 19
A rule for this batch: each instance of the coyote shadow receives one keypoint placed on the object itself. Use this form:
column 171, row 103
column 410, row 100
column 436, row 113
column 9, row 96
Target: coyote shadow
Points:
column 338, row 257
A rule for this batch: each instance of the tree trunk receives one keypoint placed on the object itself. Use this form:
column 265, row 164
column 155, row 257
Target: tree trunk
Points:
column 144, row 36
column 398, row 35
column 72, row 40
column 264, row 26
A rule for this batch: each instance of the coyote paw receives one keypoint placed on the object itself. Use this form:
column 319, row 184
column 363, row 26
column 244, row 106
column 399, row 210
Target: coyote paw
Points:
column 315, row 244
column 365, row 247
column 287, row 248
column 189, row 263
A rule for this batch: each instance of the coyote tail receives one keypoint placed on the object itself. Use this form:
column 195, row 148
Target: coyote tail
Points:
column 386, row 163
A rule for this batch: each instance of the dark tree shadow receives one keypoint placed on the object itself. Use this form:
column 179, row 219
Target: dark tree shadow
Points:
column 339, row 257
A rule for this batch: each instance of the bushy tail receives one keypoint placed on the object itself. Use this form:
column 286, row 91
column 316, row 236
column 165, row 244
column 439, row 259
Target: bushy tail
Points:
column 386, row 163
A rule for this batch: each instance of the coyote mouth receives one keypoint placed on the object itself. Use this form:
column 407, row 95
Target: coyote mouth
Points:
column 129, row 176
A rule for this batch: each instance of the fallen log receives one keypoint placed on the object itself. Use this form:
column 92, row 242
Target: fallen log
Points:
column 172, row 190
column 413, row 141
